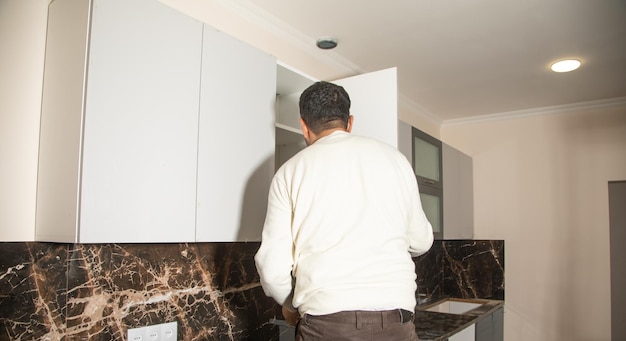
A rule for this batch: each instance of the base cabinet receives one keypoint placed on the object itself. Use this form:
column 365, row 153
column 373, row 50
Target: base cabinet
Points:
column 488, row 328
column 491, row 328
column 466, row 334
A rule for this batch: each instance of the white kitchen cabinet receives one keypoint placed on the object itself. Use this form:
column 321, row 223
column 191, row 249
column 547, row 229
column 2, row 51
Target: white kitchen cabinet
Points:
column 257, row 110
column 157, row 128
column 289, row 86
column 467, row 334
column 427, row 165
column 119, row 124
column 236, row 139
column 445, row 177
column 491, row 327
column 458, row 201
column 405, row 136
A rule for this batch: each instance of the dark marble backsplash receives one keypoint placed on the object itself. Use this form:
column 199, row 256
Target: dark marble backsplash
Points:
column 462, row 269
column 52, row 291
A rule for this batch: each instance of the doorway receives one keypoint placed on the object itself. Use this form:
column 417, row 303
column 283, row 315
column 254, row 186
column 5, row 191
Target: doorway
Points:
column 617, row 227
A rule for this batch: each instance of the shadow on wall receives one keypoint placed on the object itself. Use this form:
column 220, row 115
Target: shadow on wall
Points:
column 254, row 203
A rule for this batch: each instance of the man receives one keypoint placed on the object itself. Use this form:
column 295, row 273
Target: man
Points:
column 343, row 219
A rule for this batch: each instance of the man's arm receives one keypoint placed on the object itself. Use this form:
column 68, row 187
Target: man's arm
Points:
column 291, row 317
column 274, row 260
column 420, row 230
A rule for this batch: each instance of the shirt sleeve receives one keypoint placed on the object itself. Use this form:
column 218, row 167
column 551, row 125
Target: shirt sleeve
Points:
column 274, row 260
column 420, row 230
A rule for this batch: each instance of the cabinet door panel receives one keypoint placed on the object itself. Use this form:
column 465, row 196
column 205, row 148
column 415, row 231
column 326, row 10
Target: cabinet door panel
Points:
column 491, row 328
column 374, row 106
column 236, row 139
column 140, row 125
column 458, row 194
column 61, row 122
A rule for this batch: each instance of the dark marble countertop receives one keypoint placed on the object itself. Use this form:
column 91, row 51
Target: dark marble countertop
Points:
column 434, row 326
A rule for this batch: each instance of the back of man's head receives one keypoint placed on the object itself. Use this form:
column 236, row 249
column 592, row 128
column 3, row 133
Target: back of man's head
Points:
column 325, row 106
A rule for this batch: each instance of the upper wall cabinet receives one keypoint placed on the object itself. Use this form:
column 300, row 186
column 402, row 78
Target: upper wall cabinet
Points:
column 427, row 164
column 289, row 139
column 119, row 125
column 428, row 155
column 445, row 177
column 157, row 128
column 236, row 140
column 458, row 194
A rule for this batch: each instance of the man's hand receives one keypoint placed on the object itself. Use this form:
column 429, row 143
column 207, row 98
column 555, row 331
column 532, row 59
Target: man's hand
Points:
column 291, row 317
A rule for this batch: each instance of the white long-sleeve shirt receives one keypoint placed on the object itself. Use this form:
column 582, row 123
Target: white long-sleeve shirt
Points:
column 344, row 217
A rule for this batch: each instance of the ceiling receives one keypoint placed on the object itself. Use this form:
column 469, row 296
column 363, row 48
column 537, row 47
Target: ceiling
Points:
column 459, row 59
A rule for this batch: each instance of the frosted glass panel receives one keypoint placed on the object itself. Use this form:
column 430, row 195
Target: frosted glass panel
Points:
column 432, row 208
column 426, row 159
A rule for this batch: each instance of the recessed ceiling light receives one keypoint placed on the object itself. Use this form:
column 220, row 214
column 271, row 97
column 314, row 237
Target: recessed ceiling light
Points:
column 327, row 43
column 565, row 65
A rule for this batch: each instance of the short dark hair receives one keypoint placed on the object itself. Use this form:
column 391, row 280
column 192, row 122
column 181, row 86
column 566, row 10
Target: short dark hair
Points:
column 324, row 106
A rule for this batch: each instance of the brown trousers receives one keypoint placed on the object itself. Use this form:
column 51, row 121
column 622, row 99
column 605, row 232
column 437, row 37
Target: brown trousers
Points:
column 388, row 325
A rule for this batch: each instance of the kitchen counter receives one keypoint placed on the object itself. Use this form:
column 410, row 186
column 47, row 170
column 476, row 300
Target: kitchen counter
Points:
column 431, row 325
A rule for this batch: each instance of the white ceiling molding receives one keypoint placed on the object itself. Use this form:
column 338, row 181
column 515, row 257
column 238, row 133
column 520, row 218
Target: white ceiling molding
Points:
column 419, row 110
column 556, row 109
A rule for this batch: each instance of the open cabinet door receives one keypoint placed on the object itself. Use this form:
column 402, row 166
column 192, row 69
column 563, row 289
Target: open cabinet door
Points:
column 374, row 106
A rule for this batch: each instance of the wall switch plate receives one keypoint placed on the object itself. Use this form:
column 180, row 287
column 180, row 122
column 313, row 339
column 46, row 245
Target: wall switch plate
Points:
column 158, row 332
column 135, row 334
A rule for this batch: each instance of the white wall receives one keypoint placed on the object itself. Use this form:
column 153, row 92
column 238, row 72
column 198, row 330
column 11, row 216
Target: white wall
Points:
column 541, row 184
column 22, row 45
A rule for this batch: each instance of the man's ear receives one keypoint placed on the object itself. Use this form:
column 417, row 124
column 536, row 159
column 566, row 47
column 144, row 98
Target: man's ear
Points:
column 350, row 121
column 306, row 132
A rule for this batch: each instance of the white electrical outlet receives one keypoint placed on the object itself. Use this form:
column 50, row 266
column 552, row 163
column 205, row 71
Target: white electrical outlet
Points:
column 157, row 332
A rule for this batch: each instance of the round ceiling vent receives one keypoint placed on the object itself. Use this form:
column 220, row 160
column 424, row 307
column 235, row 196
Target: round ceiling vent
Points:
column 327, row 43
